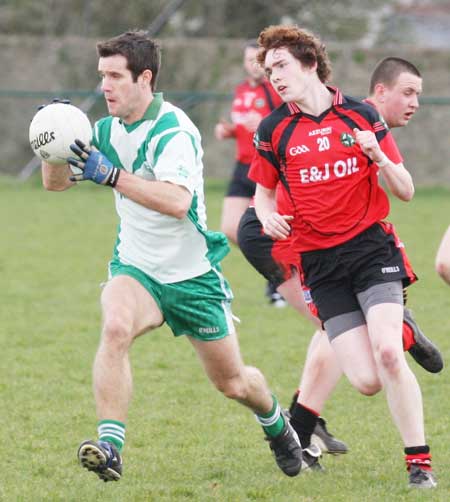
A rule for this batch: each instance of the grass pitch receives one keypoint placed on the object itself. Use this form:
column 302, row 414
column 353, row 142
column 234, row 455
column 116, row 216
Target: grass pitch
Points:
column 185, row 442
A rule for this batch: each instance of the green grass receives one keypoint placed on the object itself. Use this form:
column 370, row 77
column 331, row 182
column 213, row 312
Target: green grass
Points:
column 185, row 442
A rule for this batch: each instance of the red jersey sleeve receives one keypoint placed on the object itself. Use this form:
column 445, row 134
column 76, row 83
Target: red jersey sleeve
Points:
column 264, row 167
column 386, row 140
column 390, row 148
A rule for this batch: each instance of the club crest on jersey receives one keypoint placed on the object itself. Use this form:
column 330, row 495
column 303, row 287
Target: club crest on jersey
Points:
column 183, row 172
column 259, row 103
column 347, row 139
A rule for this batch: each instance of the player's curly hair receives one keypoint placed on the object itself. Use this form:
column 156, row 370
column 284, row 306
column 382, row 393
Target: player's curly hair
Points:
column 302, row 44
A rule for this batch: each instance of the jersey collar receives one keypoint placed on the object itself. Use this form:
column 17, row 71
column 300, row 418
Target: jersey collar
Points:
column 338, row 99
column 154, row 107
column 150, row 114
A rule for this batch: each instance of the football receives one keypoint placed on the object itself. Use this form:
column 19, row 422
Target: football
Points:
column 54, row 128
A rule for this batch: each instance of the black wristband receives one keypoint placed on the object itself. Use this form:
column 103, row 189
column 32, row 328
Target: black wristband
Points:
column 112, row 180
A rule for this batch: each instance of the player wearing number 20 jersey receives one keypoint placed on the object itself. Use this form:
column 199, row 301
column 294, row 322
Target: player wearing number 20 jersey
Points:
column 330, row 186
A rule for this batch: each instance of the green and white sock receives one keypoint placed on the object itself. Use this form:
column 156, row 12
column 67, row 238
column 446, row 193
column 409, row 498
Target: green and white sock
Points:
column 272, row 422
column 112, row 431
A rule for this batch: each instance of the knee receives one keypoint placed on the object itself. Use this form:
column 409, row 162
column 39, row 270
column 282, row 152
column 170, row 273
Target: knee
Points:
column 369, row 387
column 443, row 269
column 389, row 360
column 232, row 388
column 320, row 361
column 366, row 383
column 117, row 332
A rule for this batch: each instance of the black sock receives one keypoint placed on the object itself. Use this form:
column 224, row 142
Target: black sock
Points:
column 415, row 450
column 293, row 402
column 303, row 420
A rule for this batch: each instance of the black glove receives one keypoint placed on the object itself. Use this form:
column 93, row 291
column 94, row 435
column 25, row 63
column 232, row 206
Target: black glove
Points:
column 95, row 165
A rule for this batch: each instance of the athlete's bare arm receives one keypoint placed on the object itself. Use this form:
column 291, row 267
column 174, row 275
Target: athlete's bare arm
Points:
column 162, row 196
column 224, row 130
column 397, row 178
column 274, row 224
column 55, row 178
column 443, row 257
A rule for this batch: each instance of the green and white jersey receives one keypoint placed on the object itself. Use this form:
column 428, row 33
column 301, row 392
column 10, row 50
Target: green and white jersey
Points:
column 164, row 146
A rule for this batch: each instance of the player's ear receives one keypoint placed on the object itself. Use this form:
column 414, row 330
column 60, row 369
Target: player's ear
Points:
column 146, row 78
column 380, row 92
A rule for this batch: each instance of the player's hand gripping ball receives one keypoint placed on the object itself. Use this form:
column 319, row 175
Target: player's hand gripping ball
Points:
column 54, row 128
column 93, row 165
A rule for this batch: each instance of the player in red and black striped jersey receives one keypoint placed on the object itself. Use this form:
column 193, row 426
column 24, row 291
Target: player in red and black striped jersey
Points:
column 329, row 183
column 326, row 151
column 254, row 98
column 394, row 89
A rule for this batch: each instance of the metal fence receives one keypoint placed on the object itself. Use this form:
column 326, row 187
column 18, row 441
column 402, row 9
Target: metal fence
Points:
column 425, row 147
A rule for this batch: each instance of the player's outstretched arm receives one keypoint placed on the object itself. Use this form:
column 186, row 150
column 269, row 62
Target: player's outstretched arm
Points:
column 162, row 196
column 224, row 130
column 55, row 178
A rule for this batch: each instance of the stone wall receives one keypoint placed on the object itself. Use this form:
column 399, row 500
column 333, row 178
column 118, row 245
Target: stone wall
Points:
column 211, row 68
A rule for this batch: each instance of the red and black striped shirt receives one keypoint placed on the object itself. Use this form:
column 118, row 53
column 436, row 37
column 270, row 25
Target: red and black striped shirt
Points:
column 328, row 184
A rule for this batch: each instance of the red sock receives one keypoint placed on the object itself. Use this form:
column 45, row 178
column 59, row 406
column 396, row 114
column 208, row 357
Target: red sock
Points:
column 423, row 460
column 408, row 337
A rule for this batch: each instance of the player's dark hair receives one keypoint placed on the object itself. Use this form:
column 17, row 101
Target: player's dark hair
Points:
column 302, row 44
column 140, row 51
column 388, row 70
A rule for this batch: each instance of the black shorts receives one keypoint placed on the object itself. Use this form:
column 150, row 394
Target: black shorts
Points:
column 240, row 185
column 269, row 257
column 336, row 275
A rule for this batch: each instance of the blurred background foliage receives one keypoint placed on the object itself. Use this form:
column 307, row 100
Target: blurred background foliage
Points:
column 48, row 49
column 368, row 22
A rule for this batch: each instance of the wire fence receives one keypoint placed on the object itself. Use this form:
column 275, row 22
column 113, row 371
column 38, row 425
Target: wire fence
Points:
column 425, row 149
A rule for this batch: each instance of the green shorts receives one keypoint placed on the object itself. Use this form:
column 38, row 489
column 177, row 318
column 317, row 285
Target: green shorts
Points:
column 198, row 307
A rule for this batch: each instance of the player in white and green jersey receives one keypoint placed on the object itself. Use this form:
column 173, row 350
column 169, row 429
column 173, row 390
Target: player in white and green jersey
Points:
column 166, row 264
column 166, row 146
